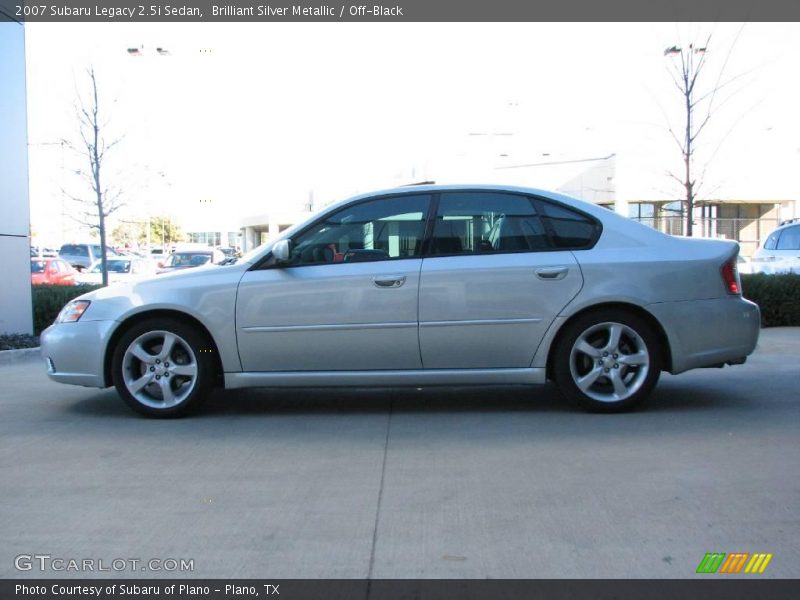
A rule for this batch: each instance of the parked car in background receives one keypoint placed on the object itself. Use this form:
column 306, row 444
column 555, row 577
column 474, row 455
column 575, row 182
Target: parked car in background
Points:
column 54, row 271
column 187, row 259
column 81, row 256
column 126, row 268
column 744, row 266
column 780, row 252
column 425, row 285
column 37, row 252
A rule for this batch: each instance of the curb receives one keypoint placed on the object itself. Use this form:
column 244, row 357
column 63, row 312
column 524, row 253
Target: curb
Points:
column 11, row 357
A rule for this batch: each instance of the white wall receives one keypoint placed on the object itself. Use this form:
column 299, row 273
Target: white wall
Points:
column 15, row 297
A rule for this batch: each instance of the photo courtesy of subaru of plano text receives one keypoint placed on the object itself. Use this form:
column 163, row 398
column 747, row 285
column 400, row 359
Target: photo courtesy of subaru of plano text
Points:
column 421, row 285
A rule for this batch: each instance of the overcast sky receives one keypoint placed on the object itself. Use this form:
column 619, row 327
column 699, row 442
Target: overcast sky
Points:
column 252, row 117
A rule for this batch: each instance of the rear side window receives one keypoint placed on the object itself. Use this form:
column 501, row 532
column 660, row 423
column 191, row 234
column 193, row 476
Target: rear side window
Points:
column 485, row 222
column 570, row 229
column 790, row 239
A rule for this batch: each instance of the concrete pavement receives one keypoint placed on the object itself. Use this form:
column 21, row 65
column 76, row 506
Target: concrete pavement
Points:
column 461, row 483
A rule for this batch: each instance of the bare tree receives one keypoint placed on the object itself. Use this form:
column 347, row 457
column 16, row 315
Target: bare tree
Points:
column 99, row 200
column 698, row 105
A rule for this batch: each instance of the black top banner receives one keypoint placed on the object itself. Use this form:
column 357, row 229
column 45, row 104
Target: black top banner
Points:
column 400, row 10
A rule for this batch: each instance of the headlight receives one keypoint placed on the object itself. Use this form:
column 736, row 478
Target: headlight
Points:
column 72, row 311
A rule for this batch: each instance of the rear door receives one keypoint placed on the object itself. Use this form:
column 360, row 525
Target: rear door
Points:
column 491, row 283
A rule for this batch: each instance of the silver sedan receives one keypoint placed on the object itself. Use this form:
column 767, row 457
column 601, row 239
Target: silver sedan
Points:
column 422, row 285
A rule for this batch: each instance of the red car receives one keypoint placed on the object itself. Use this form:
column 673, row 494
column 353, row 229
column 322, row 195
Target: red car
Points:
column 51, row 270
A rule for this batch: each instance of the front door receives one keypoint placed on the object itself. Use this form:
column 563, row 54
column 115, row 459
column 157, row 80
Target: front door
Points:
column 348, row 299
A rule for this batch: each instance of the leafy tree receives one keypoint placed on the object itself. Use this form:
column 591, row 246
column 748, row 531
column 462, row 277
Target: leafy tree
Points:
column 164, row 231
column 128, row 233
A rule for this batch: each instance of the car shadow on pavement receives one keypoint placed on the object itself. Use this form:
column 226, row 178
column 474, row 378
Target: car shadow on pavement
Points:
column 378, row 400
column 670, row 396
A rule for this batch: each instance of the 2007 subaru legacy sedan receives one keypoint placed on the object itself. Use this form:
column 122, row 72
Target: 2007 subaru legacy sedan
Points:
column 422, row 285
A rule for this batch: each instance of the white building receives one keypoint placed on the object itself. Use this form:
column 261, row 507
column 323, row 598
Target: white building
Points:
column 15, row 301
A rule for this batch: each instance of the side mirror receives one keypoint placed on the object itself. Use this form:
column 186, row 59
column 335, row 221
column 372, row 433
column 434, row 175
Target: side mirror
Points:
column 281, row 251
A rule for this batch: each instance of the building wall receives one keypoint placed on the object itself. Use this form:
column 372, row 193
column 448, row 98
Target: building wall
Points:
column 15, row 299
column 750, row 224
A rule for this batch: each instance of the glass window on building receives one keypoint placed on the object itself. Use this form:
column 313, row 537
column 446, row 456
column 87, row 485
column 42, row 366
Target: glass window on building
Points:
column 209, row 238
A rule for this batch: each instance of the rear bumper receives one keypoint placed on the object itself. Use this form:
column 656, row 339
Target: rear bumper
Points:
column 74, row 352
column 705, row 333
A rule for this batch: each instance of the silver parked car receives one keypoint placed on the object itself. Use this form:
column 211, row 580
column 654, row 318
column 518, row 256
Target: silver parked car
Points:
column 81, row 256
column 425, row 285
column 120, row 269
column 780, row 252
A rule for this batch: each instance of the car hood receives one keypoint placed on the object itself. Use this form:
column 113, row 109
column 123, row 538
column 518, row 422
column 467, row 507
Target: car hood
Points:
column 169, row 284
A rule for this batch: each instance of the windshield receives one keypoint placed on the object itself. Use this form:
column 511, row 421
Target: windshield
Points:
column 186, row 259
column 37, row 266
column 113, row 266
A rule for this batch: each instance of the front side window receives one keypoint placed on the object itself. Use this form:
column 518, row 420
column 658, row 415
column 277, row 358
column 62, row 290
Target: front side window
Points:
column 380, row 229
column 790, row 239
column 486, row 222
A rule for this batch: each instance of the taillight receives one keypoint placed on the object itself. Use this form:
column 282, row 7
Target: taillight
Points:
column 730, row 275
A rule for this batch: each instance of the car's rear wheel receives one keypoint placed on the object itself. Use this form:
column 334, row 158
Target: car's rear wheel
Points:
column 163, row 367
column 607, row 361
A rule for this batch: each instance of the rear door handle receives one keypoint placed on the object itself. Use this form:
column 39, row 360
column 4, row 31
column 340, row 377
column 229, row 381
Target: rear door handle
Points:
column 389, row 281
column 550, row 273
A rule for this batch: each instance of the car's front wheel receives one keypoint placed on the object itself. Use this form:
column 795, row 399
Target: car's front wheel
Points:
column 163, row 367
column 607, row 361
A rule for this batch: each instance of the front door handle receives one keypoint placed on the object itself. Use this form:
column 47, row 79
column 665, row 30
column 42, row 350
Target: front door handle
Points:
column 552, row 273
column 389, row 281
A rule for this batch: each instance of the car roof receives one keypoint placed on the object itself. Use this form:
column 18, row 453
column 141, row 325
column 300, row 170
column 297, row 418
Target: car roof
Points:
column 588, row 207
column 787, row 224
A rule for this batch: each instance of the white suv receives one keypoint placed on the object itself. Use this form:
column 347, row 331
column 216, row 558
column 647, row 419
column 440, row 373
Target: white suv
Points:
column 780, row 252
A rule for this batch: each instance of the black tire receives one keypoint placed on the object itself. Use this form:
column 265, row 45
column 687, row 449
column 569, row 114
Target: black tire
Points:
column 592, row 376
column 141, row 367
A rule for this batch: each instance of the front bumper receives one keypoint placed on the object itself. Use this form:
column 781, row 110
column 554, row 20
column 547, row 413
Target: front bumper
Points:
column 704, row 333
column 75, row 352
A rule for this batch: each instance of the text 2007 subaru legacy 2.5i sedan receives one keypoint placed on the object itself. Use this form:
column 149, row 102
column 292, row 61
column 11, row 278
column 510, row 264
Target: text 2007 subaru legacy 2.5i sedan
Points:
column 422, row 285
